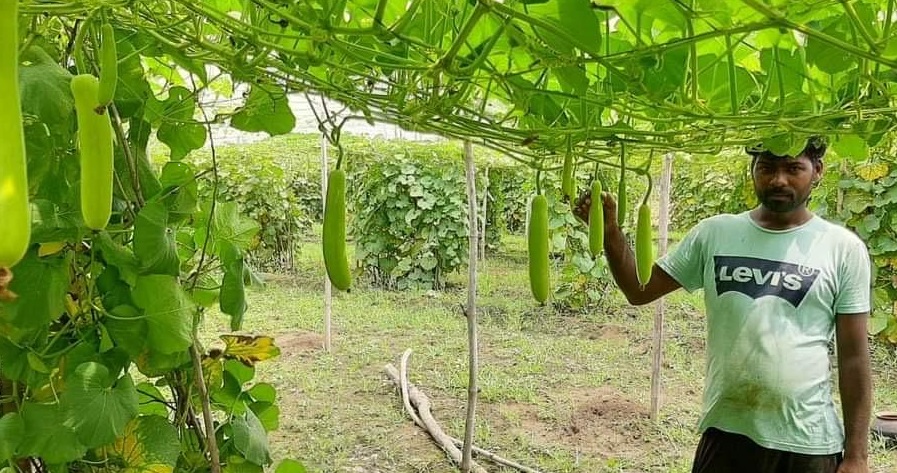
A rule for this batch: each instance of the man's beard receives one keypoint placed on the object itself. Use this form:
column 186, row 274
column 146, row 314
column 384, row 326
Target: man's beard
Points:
column 781, row 201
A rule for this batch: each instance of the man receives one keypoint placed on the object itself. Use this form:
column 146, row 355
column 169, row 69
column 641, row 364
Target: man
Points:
column 778, row 282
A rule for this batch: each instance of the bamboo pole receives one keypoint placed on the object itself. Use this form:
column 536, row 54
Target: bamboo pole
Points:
column 663, row 235
column 484, row 214
column 472, row 388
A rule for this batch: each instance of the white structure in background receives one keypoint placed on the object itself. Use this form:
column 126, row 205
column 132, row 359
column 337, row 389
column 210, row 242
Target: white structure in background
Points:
column 306, row 123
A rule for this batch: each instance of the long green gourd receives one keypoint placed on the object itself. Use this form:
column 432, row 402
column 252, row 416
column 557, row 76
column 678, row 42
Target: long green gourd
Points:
column 15, row 213
column 644, row 246
column 95, row 147
column 537, row 246
column 334, row 231
column 596, row 220
column 108, row 66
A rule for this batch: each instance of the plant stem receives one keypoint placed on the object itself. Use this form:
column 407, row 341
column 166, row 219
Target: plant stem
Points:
column 126, row 149
column 211, row 440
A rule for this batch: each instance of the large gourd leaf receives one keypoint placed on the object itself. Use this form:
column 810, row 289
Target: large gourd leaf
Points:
column 41, row 285
column 97, row 406
column 149, row 445
column 11, row 431
column 169, row 313
column 250, row 438
column 154, row 242
column 46, row 436
column 45, row 89
column 267, row 109
column 177, row 128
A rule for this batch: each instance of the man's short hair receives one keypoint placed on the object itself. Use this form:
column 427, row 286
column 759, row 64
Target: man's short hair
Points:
column 814, row 150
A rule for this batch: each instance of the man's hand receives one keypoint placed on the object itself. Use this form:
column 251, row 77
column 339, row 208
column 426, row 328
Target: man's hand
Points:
column 583, row 205
column 853, row 465
column 855, row 384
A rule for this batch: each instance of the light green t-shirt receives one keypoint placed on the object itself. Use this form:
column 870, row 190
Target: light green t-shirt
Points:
column 771, row 299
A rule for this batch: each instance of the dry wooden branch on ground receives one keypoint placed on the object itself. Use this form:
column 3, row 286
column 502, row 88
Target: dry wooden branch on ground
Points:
column 423, row 417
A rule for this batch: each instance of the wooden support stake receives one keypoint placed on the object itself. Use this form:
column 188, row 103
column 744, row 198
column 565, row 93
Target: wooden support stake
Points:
column 484, row 214
column 473, row 360
column 200, row 380
column 663, row 231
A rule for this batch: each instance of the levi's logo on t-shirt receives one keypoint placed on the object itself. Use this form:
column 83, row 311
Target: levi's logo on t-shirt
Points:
column 755, row 278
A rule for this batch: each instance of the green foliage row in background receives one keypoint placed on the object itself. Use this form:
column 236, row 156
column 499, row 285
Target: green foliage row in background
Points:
column 408, row 207
column 277, row 182
column 864, row 200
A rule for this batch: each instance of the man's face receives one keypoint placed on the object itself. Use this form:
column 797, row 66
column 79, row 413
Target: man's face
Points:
column 784, row 184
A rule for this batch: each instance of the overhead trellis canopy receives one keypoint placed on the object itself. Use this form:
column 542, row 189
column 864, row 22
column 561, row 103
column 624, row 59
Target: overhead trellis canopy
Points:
column 527, row 76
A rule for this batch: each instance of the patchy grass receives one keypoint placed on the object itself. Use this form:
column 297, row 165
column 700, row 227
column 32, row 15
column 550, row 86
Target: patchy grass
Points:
column 558, row 393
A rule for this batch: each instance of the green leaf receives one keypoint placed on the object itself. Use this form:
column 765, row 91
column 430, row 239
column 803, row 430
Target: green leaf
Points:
column 178, row 181
column 41, row 285
column 118, row 256
column 154, row 242
column 150, row 444
column 267, row 109
column 583, row 264
column 263, row 392
column 827, row 57
column 148, row 397
column 128, row 329
column 11, row 430
column 183, row 138
column 666, row 75
column 780, row 144
column 572, row 79
column 889, row 196
column 106, row 343
column 50, row 222
column 36, row 363
column 851, row 147
column 44, row 88
column 579, row 21
column 138, row 139
column 154, row 363
column 878, row 323
column 178, row 129
column 46, row 436
column 206, row 292
column 229, row 396
column 882, row 244
column 168, row 310
column 789, row 70
column 268, row 414
column 290, row 466
column 113, row 289
column 238, row 464
column 250, row 438
column 241, row 373
column 857, row 202
column 228, row 226
column 871, row 223
column 97, row 406
column 14, row 364
column 133, row 89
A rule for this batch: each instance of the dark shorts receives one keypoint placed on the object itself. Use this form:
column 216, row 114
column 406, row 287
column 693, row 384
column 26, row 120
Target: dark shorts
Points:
column 723, row 452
